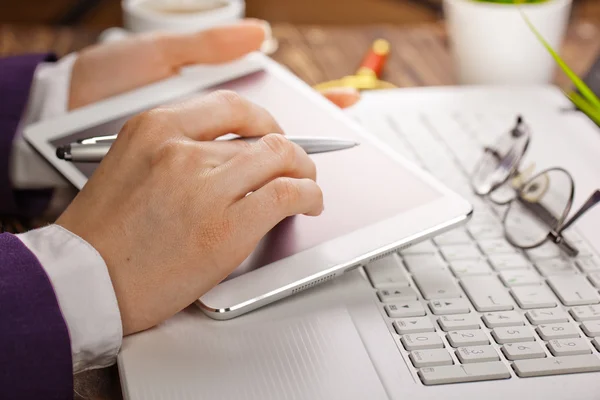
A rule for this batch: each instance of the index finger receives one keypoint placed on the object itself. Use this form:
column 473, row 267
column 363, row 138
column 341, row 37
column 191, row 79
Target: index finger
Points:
column 213, row 46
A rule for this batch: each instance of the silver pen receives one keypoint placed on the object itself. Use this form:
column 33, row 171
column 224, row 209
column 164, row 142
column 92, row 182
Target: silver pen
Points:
column 94, row 149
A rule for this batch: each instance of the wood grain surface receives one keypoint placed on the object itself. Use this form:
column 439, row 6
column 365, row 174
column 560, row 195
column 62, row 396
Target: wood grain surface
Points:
column 420, row 57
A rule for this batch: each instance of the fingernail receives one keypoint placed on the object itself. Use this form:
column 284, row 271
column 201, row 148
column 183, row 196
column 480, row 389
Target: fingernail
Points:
column 342, row 90
column 269, row 44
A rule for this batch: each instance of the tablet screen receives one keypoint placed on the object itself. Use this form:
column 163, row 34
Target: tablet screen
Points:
column 361, row 186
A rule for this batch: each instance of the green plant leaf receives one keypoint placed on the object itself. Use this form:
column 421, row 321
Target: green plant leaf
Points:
column 585, row 106
column 586, row 92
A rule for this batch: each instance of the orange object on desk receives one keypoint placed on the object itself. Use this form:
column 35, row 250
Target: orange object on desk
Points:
column 368, row 75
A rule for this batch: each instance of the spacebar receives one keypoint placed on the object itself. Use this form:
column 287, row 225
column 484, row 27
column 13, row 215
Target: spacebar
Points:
column 464, row 373
column 557, row 365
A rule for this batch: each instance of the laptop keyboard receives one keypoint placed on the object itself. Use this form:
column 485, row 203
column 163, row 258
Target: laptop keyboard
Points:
column 467, row 306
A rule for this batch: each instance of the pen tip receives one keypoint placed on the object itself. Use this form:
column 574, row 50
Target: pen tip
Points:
column 60, row 153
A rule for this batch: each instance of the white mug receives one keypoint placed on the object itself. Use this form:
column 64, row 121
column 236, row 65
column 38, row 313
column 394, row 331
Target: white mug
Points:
column 492, row 44
column 179, row 15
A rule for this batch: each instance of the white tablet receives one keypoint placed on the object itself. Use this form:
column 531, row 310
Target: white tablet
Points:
column 375, row 201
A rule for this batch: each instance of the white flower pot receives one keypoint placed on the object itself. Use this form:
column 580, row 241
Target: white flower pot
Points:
column 492, row 44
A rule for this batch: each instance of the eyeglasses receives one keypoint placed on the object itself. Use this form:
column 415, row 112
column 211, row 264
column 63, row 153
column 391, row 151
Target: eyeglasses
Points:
column 537, row 207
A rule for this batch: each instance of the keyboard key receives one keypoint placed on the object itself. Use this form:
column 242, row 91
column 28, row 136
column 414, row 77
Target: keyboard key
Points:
column 462, row 268
column 519, row 277
column 396, row 294
column 487, row 293
column 513, row 334
column 591, row 328
column 555, row 266
column 574, row 290
column 413, row 325
column 419, row 262
column 458, row 322
column 483, row 217
column 450, row 306
column 557, row 331
column 588, row 264
column 464, row 373
column 436, row 284
column 557, row 366
column 595, row 279
column 405, row 309
column 430, row 358
column 596, row 343
column 496, row 246
column 585, row 313
column 569, row 347
column 523, row 351
column 545, row 251
column 422, row 341
column 458, row 236
column 475, row 354
column 425, row 247
column 502, row 262
column 387, row 272
column 533, row 297
column 547, row 316
column 460, row 252
column 474, row 337
column 480, row 232
column 503, row 319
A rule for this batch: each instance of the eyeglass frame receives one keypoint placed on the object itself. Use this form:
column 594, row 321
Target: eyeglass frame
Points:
column 555, row 234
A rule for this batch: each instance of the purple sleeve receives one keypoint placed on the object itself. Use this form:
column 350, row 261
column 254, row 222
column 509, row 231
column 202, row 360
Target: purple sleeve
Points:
column 35, row 350
column 16, row 76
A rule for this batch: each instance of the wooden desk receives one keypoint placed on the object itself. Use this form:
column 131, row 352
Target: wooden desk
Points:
column 419, row 57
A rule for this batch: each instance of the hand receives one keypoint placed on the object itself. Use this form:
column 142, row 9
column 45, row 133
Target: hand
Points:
column 169, row 209
column 113, row 68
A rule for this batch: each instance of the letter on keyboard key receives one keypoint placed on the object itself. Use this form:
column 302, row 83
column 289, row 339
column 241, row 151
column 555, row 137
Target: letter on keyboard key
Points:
column 405, row 309
column 547, row 316
column 464, row 373
column 459, row 322
column 397, row 294
column 462, row 268
column 585, row 313
column 513, row 334
column 588, row 264
column 487, row 293
column 573, row 290
column 557, row 331
column 557, row 366
column 502, row 262
column 500, row 319
column 475, row 337
column 436, row 284
column 523, row 351
column 555, row 266
column 413, row 325
column 430, row 358
column 533, row 297
column 422, row 341
column 591, row 328
column 520, row 277
column 569, row 347
column 475, row 354
column 449, row 306
column 461, row 252
column 496, row 246
column 387, row 272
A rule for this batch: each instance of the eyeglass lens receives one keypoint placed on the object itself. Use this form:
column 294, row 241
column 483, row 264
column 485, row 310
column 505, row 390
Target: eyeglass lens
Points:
column 540, row 207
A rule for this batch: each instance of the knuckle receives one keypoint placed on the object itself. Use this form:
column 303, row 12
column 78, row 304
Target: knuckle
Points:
column 230, row 98
column 281, row 148
column 285, row 192
column 169, row 153
column 146, row 125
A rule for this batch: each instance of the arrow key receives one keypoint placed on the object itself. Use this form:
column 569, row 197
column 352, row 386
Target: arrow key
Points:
column 405, row 309
column 397, row 294
column 413, row 325
column 449, row 306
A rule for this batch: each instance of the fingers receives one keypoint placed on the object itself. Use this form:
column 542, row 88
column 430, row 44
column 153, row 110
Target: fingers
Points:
column 216, row 45
column 219, row 113
column 265, row 160
column 342, row 97
column 283, row 197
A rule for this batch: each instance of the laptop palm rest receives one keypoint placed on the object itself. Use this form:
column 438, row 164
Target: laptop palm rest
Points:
column 315, row 356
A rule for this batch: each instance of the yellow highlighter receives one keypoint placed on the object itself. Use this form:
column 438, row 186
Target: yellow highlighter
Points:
column 368, row 75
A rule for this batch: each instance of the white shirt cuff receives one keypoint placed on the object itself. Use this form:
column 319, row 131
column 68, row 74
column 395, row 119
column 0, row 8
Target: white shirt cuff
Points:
column 85, row 294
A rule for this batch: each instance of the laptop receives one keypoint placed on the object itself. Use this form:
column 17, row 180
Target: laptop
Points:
column 465, row 315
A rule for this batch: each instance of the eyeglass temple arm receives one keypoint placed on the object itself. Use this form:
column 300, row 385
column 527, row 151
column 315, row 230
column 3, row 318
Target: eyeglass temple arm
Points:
column 589, row 204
